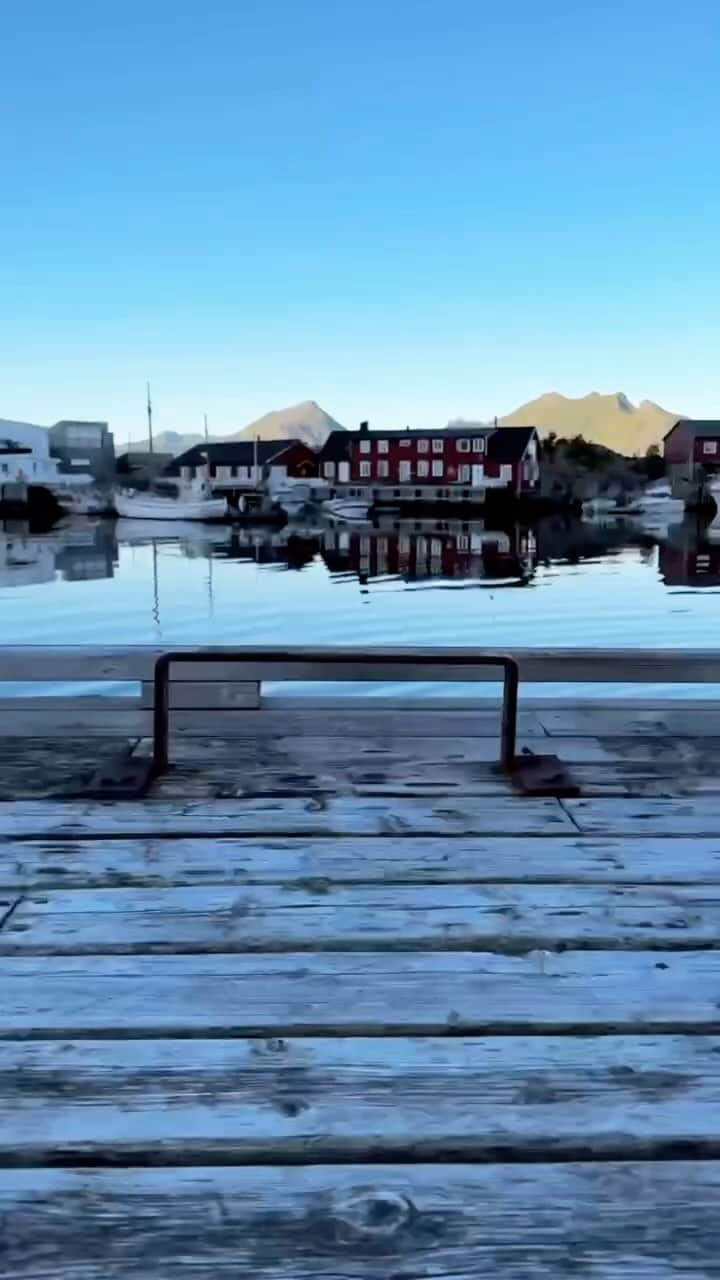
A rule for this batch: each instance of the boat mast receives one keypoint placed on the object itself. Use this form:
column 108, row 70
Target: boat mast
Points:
column 149, row 418
column 206, row 429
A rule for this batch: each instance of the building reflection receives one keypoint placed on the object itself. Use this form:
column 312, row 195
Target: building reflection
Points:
column 690, row 556
column 75, row 552
column 422, row 550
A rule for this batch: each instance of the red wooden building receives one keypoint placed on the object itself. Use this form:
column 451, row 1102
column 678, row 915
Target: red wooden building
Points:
column 457, row 463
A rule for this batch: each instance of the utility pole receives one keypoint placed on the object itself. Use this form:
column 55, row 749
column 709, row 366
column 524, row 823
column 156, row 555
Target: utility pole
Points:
column 149, row 418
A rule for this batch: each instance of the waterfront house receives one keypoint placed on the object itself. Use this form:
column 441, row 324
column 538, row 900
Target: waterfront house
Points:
column 237, row 466
column 457, row 464
column 691, row 449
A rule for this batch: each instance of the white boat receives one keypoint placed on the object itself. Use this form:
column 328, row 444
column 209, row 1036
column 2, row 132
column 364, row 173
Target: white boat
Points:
column 172, row 500
column 346, row 509
column 659, row 497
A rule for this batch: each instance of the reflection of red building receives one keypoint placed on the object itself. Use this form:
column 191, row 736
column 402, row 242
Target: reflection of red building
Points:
column 690, row 563
column 425, row 549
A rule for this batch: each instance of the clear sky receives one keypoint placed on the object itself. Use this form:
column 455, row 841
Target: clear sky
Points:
column 409, row 210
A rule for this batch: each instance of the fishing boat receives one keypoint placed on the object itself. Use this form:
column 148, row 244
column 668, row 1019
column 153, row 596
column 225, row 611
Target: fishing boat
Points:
column 346, row 509
column 172, row 500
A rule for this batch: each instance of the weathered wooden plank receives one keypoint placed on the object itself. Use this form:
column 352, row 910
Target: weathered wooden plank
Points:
column 212, row 695
column 360, row 993
column 170, row 1101
column 100, row 863
column 305, row 750
column 35, row 662
column 684, row 817
column 600, row 722
column 346, row 815
column 503, row 918
column 252, row 724
column 609, row 1220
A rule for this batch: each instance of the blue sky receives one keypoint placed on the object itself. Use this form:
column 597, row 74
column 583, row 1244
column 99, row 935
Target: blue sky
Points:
column 407, row 210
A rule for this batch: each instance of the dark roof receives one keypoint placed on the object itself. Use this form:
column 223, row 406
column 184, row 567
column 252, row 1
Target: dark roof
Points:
column 698, row 426
column 505, row 444
column 508, row 444
column 143, row 458
column 230, row 453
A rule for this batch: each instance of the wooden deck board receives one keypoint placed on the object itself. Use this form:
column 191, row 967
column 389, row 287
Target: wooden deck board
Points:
column 360, row 993
column 345, row 815
column 65, row 862
column 169, row 1101
column 290, row 917
column 608, row 1221
column 690, row 816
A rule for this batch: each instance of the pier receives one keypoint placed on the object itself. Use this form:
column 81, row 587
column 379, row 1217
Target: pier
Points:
column 335, row 998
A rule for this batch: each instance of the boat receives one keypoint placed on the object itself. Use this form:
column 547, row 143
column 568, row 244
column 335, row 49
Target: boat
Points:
column 346, row 509
column 660, row 497
column 172, row 500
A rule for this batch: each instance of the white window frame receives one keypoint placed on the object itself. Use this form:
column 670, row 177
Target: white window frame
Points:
column 478, row 444
column 438, row 468
column 404, row 444
column 383, row 469
column 382, row 446
column 364, row 470
column 423, row 446
column 463, row 446
column 465, row 473
column 438, row 446
column 423, row 468
column 710, row 446
column 506, row 472
column 365, row 446
column 462, row 542
column 329, row 470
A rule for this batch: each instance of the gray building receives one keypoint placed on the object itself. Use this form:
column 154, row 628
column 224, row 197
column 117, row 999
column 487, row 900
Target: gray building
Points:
column 82, row 447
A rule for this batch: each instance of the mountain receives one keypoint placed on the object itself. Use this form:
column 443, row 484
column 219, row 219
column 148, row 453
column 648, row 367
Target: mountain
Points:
column 610, row 420
column 305, row 421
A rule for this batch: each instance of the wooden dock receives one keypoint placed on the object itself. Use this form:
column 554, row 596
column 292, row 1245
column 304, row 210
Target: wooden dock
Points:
column 334, row 1002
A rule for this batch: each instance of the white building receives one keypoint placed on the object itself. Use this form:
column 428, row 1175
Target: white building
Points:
column 25, row 458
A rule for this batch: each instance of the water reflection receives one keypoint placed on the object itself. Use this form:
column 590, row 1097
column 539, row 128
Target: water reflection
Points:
column 75, row 552
column 422, row 552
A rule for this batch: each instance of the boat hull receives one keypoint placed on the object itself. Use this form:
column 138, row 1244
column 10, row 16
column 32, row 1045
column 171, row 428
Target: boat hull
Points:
column 150, row 507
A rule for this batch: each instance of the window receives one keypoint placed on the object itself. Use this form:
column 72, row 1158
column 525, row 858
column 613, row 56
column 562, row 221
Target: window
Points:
column 365, row 446
column 435, row 547
column 382, row 546
column 438, row 468
column 438, row 446
column 329, row 470
column 404, row 544
column 364, row 470
column 463, row 542
column 383, row 468
column 364, row 546
column 423, row 468
column 478, row 445
column 382, row 446
column 464, row 474
column 233, row 472
column 506, row 472
column 710, row 446
column 4, row 468
column 463, row 446
column 404, row 444
column 423, row 446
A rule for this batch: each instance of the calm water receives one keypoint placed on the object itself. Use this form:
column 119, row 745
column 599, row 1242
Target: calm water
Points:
column 411, row 582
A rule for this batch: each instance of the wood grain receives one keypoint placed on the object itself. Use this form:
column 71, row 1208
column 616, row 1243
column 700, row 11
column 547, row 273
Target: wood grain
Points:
column 608, row 1221
column 502, row 918
column 360, row 993
column 311, row 1099
column 343, row 816
column 665, row 817
column 142, row 862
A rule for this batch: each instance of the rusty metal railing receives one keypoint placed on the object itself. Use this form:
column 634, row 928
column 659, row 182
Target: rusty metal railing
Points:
column 271, row 657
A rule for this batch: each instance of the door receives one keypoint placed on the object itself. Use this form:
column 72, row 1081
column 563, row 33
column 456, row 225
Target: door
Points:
column 404, row 473
column 344, row 472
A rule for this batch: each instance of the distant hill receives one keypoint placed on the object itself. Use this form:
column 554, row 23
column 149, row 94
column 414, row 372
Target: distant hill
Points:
column 611, row 420
column 306, row 422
